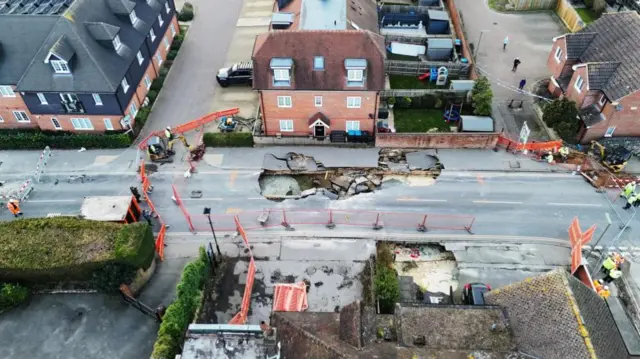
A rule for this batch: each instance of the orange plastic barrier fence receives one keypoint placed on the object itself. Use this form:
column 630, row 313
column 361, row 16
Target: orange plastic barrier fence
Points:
column 176, row 198
column 533, row 146
column 241, row 317
column 146, row 185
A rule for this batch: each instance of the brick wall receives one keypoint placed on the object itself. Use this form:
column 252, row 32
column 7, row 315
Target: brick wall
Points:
column 554, row 65
column 350, row 329
column 142, row 90
column 10, row 104
column 624, row 120
column 297, row 343
column 45, row 122
column 334, row 107
column 458, row 27
column 571, row 92
column 439, row 140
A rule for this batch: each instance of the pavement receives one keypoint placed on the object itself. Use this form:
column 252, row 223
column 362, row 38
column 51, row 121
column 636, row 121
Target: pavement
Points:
column 530, row 36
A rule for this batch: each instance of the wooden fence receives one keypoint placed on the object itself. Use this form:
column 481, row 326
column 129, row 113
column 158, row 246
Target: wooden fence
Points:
column 457, row 70
column 522, row 5
column 562, row 8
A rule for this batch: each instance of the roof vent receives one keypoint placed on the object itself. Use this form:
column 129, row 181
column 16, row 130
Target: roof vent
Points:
column 419, row 340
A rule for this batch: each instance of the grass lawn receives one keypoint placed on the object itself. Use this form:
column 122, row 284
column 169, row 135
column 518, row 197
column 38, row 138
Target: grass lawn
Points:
column 587, row 15
column 411, row 82
column 419, row 120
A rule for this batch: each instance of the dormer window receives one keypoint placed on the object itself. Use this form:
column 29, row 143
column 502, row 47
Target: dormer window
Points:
column 281, row 67
column 166, row 7
column 160, row 21
column 152, row 34
column 355, row 71
column 133, row 17
column 116, row 43
column 60, row 67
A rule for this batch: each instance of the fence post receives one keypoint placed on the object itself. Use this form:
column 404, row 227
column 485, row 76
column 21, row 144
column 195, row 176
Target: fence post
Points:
column 422, row 227
column 377, row 225
column 330, row 224
column 468, row 228
column 284, row 223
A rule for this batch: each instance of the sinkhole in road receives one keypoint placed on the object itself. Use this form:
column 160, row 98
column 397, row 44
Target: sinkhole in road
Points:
column 301, row 176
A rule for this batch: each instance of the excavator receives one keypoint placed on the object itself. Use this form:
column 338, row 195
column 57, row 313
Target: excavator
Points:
column 160, row 149
column 615, row 158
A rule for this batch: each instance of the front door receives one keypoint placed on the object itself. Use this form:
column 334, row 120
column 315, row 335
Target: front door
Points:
column 318, row 130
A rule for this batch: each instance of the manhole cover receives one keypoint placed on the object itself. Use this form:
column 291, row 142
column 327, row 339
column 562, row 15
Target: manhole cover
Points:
column 514, row 164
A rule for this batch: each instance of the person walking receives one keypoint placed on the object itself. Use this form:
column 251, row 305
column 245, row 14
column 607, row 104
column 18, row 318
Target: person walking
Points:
column 168, row 134
column 631, row 201
column 604, row 292
column 628, row 189
column 135, row 193
column 146, row 214
column 14, row 207
column 516, row 62
column 522, row 83
column 505, row 43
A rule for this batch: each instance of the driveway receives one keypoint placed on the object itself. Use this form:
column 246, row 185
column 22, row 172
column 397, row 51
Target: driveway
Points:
column 530, row 39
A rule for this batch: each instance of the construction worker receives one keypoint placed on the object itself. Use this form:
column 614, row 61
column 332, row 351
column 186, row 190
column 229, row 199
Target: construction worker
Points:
column 135, row 193
column 604, row 292
column 612, row 275
column 629, row 189
column 609, row 264
column 168, row 134
column 14, row 207
column 564, row 152
column 632, row 200
column 550, row 157
column 148, row 216
column 597, row 285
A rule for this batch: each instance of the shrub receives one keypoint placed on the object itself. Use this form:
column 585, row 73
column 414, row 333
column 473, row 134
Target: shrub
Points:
column 172, row 54
column 231, row 139
column 163, row 72
column 186, row 14
column 32, row 140
column 561, row 115
column 41, row 250
column 109, row 278
column 141, row 119
column 404, row 102
column 156, row 85
column 482, row 96
column 391, row 101
column 387, row 288
column 177, row 42
column 416, row 102
column 182, row 311
column 12, row 295
column 152, row 95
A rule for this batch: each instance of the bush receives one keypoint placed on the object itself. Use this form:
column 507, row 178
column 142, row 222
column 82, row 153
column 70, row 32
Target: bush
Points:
column 231, row 139
column 404, row 102
column 12, row 295
column 182, row 311
column 111, row 276
column 37, row 140
column 42, row 250
column 186, row 14
column 177, row 42
column 172, row 54
column 156, row 85
column 163, row 72
column 391, row 101
column 482, row 96
column 152, row 95
column 387, row 288
column 561, row 115
column 141, row 119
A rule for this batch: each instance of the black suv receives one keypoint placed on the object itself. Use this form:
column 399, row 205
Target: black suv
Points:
column 238, row 74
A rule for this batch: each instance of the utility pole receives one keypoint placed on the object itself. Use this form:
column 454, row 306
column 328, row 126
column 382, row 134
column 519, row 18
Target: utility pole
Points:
column 608, row 218
column 207, row 212
column 477, row 49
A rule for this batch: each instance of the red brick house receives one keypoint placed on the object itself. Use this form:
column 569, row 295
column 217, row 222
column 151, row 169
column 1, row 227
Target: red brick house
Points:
column 311, row 83
column 599, row 68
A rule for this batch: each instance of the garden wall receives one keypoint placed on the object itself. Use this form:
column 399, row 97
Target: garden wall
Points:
column 437, row 140
column 456, row 20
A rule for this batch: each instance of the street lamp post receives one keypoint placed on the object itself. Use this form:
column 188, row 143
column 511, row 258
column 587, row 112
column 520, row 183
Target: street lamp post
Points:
column 606, row 215
column 207, row 212
column 477, row 49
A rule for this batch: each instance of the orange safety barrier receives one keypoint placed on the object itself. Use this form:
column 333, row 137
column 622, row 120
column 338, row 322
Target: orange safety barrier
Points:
column 241, row 317
column 532, row 146
column 191, row 125
column 178, row 200
column 146, row 185
column 290, row 297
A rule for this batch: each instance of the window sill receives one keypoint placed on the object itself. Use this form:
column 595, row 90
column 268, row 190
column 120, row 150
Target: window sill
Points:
column 282, row 83
column 355, row 84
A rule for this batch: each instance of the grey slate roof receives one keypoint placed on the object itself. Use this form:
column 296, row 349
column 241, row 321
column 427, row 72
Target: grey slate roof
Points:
column 600, row 73
column 20, row 38
column 32, row 7
column 616, row 41
column 578, row 42
column 62, row 49
column 101, row 31
column 96, row 67
column 121, row 7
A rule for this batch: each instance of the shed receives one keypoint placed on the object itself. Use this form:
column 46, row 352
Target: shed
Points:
column 475, row 124
column 439, row 49
column 122, row 209
column 438, row 22
column 429, row 3
column 407, row 49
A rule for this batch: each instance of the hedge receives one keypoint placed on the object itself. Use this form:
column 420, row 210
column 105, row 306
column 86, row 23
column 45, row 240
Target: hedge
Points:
column 43, row 250
column 12, row 295
column 186, row 14
column 230, row 139
column 37, row 140
column 182, row 311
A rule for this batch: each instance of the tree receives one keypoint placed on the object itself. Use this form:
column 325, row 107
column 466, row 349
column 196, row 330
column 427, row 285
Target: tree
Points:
column 561, row 115
column 599, row 6
column 387, row 288
column 481, row 96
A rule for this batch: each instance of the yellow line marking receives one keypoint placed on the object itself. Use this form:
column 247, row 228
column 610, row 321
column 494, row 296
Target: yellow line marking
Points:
column 233, row 210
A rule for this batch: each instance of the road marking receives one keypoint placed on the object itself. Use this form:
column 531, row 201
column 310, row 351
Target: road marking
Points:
column 420, row 199
column 255, row 198
column 575, row 204
column 203, row 199
column 496, row 202
column 52, row 200
column 232, row 178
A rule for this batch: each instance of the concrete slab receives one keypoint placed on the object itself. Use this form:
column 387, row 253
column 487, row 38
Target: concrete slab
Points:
column 626, row 328
column 213, row 159
column 334, row 250
column 253, row 21
column 104, row 159
column 260, row 3
column 240, row 96
column 257, row 13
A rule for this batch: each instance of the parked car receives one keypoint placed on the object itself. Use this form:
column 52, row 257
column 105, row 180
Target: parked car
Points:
column 473, row 293
column 238, row 74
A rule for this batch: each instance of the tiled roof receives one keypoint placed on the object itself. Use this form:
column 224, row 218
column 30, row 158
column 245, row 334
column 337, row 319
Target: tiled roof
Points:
column 334, row 45
column 34, row 7
column 577, row 43
column 600, row 73
column 616, row 41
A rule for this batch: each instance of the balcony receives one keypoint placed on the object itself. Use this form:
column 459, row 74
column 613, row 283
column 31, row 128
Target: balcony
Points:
column 72, row 107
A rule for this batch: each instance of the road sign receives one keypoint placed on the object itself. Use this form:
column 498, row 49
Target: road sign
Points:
column 577, row 238
column 524, row 135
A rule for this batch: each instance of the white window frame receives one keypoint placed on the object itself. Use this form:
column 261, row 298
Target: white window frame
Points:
column 285, row 102
column 97, row 99
column 355, row 75
column 318, row 68
column 317, row 101
column 133, row 17
column 43, row 100
column 160, row 20
column 117, row 44
column 173, row 29
column 21, row 117
column 56, row 123
column 152, row 34
column 602, row 100
column 166, row 7
column 558, row 54
column 60, row 67
column 133, row 109
column 108, row 125
column 352, row 126
column 281, row 75
column 159, row 58
column 354, row 102
column 81, row 123
column 125, row 85
column 609, row 132
column 579, row 83
column 167, row 45
column 288, row 126
column 147, row 81
column 140, row 58
column 7, row 91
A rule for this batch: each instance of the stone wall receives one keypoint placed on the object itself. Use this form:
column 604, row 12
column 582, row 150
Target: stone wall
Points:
column 437, row 140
